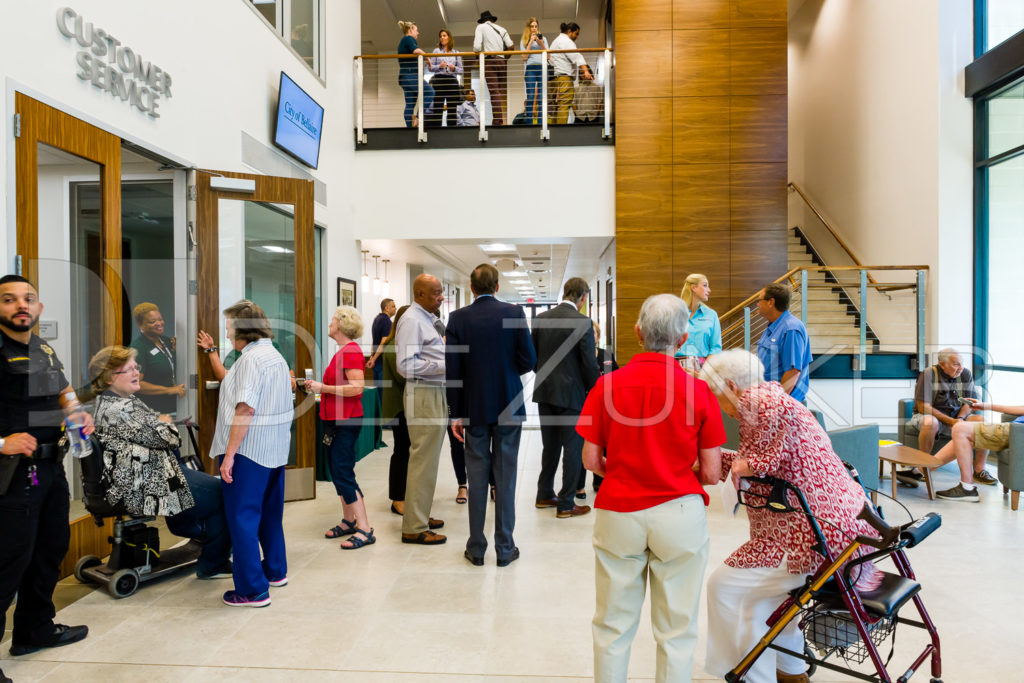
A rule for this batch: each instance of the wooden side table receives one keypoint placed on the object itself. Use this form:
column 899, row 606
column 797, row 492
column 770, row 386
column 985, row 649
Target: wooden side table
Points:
column 905, row 456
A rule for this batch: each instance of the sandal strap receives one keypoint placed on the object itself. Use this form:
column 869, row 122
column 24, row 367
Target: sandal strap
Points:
column 358, row 542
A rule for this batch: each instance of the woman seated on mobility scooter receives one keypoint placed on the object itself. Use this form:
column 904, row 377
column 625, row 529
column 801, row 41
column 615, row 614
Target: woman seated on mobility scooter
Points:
column 141, row 470
column 779, row 437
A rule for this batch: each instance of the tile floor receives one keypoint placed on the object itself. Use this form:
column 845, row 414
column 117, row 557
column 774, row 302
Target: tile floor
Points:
column 394, row 612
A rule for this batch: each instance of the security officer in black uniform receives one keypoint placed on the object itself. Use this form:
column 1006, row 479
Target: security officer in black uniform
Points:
column 34, row 498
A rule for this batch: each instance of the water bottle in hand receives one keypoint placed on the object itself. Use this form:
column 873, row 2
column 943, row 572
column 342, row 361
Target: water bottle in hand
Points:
column 78, row 445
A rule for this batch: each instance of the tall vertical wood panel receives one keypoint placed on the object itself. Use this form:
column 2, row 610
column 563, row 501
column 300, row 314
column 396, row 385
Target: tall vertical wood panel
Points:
column 700, row 152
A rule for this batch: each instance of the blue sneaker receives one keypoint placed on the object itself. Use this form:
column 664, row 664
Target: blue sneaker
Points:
column 278, row 583
column 236, row 599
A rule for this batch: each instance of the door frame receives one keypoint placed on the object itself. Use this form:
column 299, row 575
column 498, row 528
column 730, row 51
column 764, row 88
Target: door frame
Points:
column 300, row 481
column 46, row 124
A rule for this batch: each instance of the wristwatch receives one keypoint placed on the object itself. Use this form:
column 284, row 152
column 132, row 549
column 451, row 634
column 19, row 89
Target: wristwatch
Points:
column 212, row 349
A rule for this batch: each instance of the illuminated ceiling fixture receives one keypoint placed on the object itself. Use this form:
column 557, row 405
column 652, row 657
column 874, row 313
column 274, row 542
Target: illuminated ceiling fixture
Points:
column 376, row 275
column 497, row 247
column 386, row 287
column 366, row 276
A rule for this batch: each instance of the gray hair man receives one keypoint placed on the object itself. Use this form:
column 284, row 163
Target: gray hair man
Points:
column 420, row 359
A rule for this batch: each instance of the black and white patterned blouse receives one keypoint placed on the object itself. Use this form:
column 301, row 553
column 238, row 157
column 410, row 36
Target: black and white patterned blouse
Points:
column 140, row 469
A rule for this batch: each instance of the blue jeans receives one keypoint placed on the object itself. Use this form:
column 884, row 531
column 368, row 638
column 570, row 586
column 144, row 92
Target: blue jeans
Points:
column 343, row 459
column 410, row 87
column 205, row 522
column 533, row 82
column 254, row 506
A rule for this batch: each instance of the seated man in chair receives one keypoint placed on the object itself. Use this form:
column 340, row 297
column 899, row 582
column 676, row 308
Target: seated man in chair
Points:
column 141, row 466
column 937, row 407
column 970, row 438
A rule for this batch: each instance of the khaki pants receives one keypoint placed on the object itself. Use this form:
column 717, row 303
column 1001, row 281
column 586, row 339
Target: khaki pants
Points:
column 669, row 542
column 563, row 97
column 427, row 414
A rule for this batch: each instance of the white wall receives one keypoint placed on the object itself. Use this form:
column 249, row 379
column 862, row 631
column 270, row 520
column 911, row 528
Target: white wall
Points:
column 880, row 138
column 495, row 193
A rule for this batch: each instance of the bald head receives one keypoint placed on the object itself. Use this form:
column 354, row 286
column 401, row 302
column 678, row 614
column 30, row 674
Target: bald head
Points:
column 426, row 291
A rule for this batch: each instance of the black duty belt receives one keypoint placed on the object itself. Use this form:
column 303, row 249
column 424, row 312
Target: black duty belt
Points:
column 47, row 451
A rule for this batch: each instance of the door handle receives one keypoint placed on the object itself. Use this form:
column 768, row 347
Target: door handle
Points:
column 212, row 384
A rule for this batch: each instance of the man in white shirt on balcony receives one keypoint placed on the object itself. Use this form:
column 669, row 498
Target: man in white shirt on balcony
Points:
column 490, row 37
column 564, row 65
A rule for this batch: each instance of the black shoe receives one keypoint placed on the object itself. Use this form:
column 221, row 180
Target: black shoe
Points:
column 475, row 561
column 62, row 635
column 510, row 559
column 909, row 478
column 3, row 678
column 581, row 494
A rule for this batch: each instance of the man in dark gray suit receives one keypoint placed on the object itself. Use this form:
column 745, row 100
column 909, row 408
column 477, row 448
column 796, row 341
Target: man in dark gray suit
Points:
column 566, row 371
column 487, row 349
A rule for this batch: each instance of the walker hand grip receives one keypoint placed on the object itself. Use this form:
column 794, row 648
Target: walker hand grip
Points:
column 920, row 529
column 889, row 533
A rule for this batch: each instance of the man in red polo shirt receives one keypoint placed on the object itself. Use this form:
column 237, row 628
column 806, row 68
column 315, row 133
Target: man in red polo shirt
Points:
column 647, row 426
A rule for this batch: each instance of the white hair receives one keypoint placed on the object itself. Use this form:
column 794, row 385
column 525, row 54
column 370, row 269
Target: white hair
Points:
column 742, row 367
column 349, row 321
column 663, row 321
column 944, row 354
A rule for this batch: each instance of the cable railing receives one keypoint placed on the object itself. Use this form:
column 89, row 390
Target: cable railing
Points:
column 845, row 312
column 479, row 91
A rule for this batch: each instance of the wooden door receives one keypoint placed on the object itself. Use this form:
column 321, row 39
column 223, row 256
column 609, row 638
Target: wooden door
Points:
column 214, row 210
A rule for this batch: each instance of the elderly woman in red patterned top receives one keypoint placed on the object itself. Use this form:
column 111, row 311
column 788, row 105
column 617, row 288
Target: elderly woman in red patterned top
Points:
column 779, row 437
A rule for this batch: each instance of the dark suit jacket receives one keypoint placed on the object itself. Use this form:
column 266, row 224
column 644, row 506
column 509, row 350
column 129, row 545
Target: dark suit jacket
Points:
column 566, row 357
column 484, row 357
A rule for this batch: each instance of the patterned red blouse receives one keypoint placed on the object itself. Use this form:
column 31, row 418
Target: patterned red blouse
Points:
column 780, row 437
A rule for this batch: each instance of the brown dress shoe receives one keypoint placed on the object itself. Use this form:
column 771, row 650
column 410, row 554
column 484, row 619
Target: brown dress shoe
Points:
column 546, row 503
column 792, row 678
column 575, row 511
column 424, row 538
column 435, row 523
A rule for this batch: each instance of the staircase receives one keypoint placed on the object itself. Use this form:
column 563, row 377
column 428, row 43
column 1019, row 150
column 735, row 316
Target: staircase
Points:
column 833, row 318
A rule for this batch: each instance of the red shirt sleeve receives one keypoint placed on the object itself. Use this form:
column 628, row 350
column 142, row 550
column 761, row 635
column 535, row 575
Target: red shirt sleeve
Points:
column 712, row 432
column 593, row 417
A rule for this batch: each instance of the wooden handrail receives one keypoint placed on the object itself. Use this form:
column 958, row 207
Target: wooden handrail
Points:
column 753, row 297
column 435, row 55
column 828, row 226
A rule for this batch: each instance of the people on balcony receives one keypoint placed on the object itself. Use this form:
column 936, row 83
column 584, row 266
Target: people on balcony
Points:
column 445, row 80
column 705, row 330
column 409, row 74
column 784, row 348
column 564, row 65
column 490, row 37
column 532, row 40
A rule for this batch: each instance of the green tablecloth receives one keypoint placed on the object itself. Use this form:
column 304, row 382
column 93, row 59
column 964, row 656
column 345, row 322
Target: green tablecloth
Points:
column 369, row 436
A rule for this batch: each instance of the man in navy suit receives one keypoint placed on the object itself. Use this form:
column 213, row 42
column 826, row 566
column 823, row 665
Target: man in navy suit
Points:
column 566, row 372
column 488, row 348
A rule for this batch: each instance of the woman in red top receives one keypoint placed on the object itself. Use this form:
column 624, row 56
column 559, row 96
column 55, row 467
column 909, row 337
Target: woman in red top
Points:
column 341, row 410
column 779, row 437
column 647, row 426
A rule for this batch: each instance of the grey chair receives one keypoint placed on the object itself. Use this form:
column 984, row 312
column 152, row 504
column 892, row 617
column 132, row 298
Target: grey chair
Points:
column 1011, row 463
column 858, row 446
column 732, row 429
column 907, row 434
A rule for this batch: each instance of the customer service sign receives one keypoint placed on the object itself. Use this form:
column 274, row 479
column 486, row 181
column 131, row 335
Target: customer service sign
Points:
column 112, row 66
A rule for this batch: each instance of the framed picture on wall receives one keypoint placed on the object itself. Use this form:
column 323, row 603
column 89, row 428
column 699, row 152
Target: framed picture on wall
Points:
column 346, row 292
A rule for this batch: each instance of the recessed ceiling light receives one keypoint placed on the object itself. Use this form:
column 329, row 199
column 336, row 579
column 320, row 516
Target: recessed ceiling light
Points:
column 497, row 246
column 514, row 273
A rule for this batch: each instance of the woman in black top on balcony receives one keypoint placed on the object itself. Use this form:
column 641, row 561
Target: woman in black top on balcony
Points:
column 409, row 74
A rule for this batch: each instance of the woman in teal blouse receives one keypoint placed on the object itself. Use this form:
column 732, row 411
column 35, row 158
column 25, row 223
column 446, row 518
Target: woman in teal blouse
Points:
column 705, row 332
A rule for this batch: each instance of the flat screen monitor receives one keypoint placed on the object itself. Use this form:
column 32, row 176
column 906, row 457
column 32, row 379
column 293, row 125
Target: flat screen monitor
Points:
column 299, row 123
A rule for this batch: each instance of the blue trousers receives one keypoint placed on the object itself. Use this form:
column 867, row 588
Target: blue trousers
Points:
column 410, row 86
column 492, row 449
column 534, row 78
column 343, row 459
column 205, row 522
column 254, row 506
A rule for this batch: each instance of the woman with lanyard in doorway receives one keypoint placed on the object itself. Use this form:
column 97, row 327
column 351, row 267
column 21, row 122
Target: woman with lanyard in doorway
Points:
column 158, row 388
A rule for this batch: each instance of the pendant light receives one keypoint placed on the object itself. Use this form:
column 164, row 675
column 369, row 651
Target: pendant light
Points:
column 386, row 287
column 376, row 275
column 366, row 276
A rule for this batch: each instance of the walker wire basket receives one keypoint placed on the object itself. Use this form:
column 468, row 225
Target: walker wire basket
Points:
column 833, row 631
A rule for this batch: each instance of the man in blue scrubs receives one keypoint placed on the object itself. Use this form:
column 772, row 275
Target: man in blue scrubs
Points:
column 784, row 347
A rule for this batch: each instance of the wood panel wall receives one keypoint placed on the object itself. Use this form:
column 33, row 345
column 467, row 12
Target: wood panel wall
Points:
column 700, row 152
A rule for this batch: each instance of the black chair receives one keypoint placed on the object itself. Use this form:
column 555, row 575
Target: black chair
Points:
column 135, row 555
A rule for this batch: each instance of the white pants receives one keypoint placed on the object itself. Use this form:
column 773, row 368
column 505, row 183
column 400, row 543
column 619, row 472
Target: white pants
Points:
column 739, row 603
column 669, row 541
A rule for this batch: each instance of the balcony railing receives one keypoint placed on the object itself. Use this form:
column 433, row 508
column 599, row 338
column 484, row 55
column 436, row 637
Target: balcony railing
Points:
column 539, row 98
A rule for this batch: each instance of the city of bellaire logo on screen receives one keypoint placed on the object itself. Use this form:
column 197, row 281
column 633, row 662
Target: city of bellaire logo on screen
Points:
column 300, row 120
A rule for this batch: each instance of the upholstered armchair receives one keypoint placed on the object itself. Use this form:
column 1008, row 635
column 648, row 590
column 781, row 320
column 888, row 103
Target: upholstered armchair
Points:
column 1011, row 463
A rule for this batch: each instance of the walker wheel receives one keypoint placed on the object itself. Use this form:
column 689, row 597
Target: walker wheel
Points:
column 84, row 563
column 123, row 583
